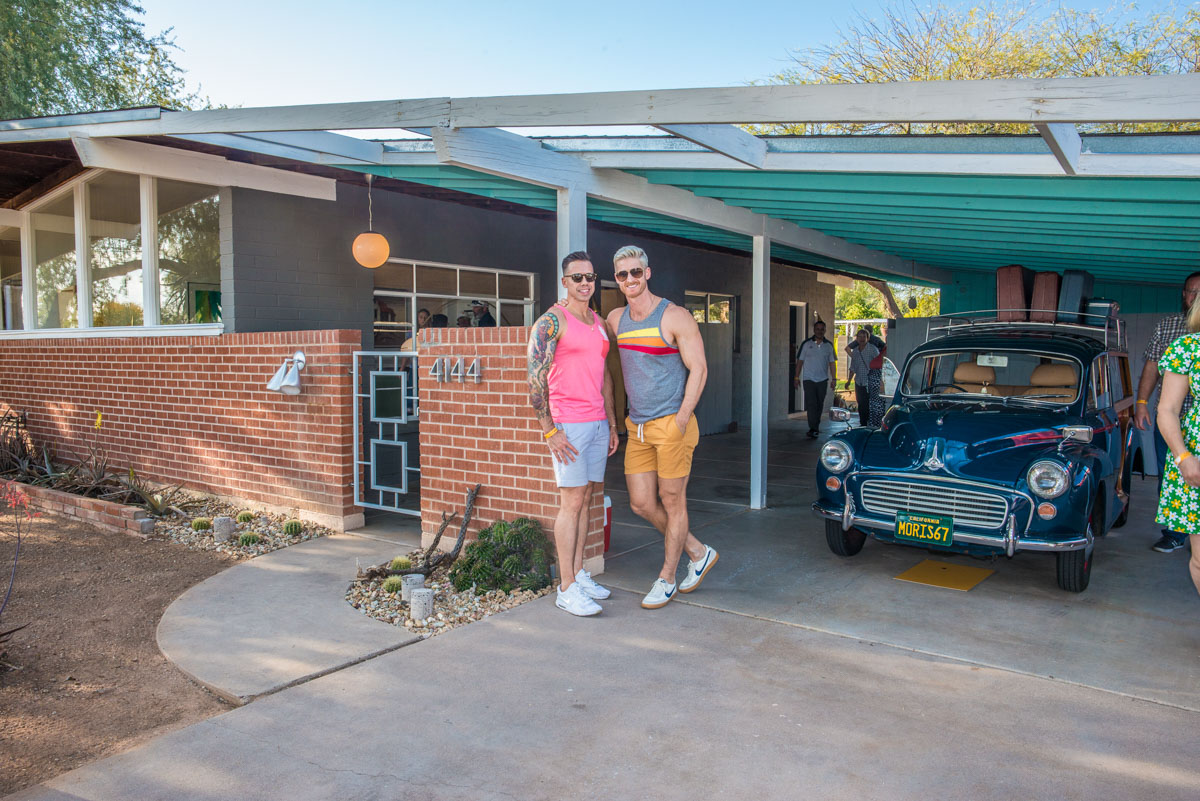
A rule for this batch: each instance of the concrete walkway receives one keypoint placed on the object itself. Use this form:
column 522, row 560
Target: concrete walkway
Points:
column 790, row 674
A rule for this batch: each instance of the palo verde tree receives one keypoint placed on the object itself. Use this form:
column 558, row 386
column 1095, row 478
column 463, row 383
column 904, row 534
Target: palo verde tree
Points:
column 62, row 56
column 911, row 41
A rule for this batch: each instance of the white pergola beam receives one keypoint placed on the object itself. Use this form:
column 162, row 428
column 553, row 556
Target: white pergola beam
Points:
column 724, row 139
column 513, row 156
column 1064, row 142
column 1142, row 98
column 185, row 165
column 318, row 147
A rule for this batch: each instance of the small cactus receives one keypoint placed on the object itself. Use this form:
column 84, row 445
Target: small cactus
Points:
column 201, row 524
column 293, row 527
column 249, row 538
column 245, row 517
column 392, row 584
column 400, row 563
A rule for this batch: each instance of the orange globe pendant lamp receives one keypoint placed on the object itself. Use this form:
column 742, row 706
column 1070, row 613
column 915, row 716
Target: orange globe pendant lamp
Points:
column 370, row 249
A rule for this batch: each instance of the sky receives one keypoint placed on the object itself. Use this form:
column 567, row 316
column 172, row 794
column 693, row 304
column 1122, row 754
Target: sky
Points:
column 244, row 53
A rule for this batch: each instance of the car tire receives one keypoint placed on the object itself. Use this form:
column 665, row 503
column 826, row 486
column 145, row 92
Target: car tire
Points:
column 1122, row 518
column 844, row 542
column 1075, row 567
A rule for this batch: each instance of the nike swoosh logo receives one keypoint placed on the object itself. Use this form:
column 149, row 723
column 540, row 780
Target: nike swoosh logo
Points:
column 670, row 593
column 700, row 569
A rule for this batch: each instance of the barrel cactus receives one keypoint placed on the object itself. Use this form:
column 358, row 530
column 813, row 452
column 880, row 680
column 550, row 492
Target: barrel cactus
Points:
column 392, row 584
column 293, row 527
column 249, row 538
column 201, row 524
column 245, row 517
column 400, row 563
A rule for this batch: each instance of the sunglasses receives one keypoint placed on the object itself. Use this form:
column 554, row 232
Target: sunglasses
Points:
column 636, row 272
column 579, row 277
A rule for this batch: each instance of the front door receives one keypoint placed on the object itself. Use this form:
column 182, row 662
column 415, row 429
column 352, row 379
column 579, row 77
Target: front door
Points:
column 798, row 328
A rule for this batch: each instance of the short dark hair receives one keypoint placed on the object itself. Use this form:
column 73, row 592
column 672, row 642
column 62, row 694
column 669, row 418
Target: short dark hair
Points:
column 439, row 321
column 1190, row 277
column 422, row 310
column 578, row 255
column 820, row 323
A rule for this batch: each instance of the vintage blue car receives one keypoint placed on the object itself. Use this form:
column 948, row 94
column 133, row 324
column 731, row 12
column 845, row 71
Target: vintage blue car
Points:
column 1002, row 437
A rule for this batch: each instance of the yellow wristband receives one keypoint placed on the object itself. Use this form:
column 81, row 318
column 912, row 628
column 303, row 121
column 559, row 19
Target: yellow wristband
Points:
column 1142, row 401
column 551, row 432
column 1181, row 458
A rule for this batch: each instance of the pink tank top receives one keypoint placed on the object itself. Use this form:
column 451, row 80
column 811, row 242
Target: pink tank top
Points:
column 577, row 376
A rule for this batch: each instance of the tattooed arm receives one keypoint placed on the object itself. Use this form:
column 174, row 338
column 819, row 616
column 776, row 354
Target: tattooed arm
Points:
column 542, row 342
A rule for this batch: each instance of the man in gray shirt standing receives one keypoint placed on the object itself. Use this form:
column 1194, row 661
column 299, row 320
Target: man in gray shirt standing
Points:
column 815, row 365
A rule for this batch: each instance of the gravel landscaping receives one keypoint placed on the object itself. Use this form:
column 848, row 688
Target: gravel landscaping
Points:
column 268, row 527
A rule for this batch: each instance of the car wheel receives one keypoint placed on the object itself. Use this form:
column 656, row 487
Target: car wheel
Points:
column 1075, row 567
column 1123, row 518
column 843, row 542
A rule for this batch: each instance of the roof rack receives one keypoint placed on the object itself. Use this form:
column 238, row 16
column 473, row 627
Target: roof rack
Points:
column 1110, row 330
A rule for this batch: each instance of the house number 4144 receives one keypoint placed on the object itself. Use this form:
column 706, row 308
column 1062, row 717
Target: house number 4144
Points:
column 454, row 368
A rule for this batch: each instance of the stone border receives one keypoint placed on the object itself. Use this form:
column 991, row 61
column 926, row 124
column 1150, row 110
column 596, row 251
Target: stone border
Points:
column 120, row 518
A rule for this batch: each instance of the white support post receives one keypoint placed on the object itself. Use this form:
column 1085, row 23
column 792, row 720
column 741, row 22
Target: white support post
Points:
column 149, row 204
column 83, row 257
column 28, row 274
column 760, row 327
column 572, row 224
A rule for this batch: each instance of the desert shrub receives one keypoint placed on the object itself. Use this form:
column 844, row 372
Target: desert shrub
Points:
column 392, row 584
column 400, row 563
column 293, row 527
column 507, row 556
column 201, row 524
column 249, row 538
column 245, row 517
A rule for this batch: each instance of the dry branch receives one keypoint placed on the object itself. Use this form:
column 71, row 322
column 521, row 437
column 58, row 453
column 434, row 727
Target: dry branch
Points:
column 431, row 561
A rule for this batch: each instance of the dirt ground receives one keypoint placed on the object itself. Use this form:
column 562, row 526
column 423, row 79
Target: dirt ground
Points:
column 89, row 678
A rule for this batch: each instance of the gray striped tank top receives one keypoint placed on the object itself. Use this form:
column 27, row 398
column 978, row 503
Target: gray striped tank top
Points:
column 655, row 375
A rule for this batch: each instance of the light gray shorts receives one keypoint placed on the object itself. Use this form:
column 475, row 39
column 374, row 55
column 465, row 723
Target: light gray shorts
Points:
column 591, row 440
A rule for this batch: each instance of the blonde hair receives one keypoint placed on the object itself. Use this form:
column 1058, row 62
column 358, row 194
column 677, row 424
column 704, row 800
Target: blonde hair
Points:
column 631, row 252
column 1193, row 317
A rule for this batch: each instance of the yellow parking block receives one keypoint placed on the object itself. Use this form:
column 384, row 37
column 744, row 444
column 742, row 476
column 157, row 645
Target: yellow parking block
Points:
column 945, row 574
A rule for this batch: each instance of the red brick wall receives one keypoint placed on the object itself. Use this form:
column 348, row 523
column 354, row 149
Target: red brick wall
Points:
column 117, row 517
column 194, row 410
column 486, row 434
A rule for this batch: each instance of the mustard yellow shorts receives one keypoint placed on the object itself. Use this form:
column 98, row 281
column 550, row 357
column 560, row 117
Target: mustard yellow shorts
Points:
column 658, row 447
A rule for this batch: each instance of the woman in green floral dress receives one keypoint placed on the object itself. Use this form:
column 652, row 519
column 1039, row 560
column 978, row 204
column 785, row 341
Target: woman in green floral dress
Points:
column 1179, row 503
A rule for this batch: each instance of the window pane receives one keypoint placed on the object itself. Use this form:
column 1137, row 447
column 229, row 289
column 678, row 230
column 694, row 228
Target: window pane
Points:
column 474, row 284
column 696, row 305
column 512, row 313
column 393, row 324
column 719, row 309
column 189, row 253
column 54, row 257
column 437, row 281
column 115, row 249
column 516, row 287
column 390, row 275
column 10, row 279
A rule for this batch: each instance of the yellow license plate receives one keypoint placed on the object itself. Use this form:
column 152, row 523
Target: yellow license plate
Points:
column 924, row 529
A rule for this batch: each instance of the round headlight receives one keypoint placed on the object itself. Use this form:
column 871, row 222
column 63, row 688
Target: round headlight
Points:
column 1048, row 479
column 836, row 456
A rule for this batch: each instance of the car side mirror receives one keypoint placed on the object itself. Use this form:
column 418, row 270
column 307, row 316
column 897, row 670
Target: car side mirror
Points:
column 1077, row 433
column 839, row 414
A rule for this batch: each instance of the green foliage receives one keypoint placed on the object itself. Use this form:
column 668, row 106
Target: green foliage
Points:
column 245, row 517
column 400, row 563
column 293, row 528
column 249, row 538
column 913, row 41
column 507, row 556
column 392, row 584
column 859, row 302
column 201, row 524
column 59, row 57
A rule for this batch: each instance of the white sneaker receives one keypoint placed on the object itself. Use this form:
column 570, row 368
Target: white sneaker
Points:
column 659, row 594
column 697, row 570
column 590, row 588
column 576, row 602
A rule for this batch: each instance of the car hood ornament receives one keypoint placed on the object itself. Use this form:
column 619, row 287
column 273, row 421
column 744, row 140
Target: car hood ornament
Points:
column 933, row 461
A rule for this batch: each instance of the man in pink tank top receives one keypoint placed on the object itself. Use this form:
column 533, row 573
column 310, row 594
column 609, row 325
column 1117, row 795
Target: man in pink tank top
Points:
column 571, row 394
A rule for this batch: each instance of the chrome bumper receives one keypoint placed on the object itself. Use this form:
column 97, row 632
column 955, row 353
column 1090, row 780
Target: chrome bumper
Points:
column 1009, row 542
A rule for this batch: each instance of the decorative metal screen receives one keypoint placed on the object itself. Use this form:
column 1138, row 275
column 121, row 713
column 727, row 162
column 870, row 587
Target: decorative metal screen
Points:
column 387, row 470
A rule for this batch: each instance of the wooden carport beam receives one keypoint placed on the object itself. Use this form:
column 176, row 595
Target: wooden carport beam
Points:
column 724, row 139
column 513, row 156
column 1064, row 142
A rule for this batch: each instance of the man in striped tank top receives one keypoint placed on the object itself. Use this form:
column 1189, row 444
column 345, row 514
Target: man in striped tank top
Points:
column 571, row 393
column 662, row 359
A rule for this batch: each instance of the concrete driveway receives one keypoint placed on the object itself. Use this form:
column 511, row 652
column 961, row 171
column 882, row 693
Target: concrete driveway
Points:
column 790, row 674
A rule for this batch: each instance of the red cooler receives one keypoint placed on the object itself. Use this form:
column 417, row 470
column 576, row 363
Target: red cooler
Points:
column 607, row 522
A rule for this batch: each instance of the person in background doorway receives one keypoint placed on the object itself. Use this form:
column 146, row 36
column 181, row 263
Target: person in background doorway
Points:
column 571, row 394
column 463, row 321
column 439, row 321
column 862, row 353
column 816, row 364
column 422, row 318
column 1179, row 496
column 1166, row 332
column 483, row 316
column 662, row 359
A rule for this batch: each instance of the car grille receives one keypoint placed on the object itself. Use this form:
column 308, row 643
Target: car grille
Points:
column 967, row 507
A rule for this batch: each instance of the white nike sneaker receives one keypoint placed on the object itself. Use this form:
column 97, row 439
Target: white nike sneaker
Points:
column 697, row 570
column 576, row 602
column 590, row 588
column 660, row 594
